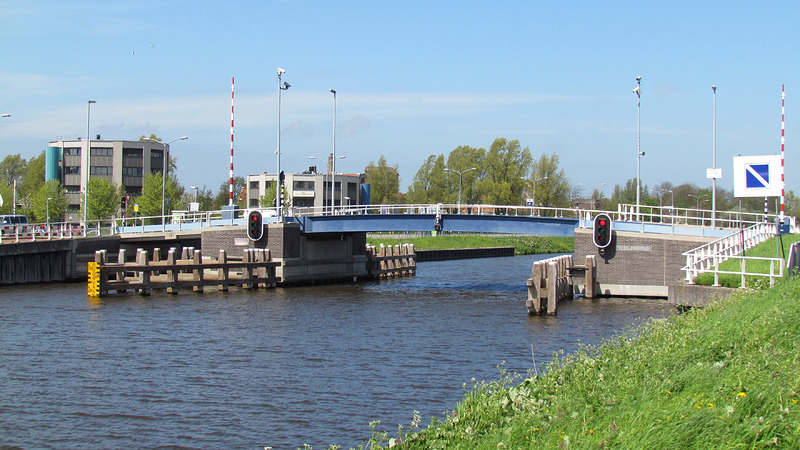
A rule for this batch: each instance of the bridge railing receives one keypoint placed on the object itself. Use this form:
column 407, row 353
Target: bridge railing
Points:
column 440, row 208
column 708, row 257
column 694, row 216
column 39, row 231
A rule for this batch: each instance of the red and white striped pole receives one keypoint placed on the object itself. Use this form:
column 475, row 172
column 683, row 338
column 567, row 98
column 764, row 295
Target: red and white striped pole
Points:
column 230, row 186
column 783, row 146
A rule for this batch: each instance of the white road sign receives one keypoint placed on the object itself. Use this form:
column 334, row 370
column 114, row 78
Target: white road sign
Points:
column 757, row 176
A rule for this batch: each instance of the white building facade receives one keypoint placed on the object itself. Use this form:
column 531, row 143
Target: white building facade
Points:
column 308, row 189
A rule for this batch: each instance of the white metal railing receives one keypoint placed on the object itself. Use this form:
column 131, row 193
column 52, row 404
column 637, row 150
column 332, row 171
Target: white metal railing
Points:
column 39, row 231
column 774, row 263
column 708, row 257
column 191, row 220
column 698, row 217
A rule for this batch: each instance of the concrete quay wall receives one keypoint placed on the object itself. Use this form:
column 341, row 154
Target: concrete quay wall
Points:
column 638, row 264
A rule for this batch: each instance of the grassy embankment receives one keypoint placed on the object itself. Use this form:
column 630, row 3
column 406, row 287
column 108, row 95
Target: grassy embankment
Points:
column 726, row 376
column 767, row 249
column 523, row 245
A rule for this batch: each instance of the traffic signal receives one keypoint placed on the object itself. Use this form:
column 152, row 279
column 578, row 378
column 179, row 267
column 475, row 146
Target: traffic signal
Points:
column 255, row 225
column 602, row 230
column 437, row 226
column 124, row 203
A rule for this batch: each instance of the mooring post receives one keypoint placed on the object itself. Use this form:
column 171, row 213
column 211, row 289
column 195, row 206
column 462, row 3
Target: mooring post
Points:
column 198, row 272
column 535, row 288
column 144, row 275
column 222, row 274
column 121, row 256
column 552, row 288
column 591, row 269
column 172, row 272
column 246, row 270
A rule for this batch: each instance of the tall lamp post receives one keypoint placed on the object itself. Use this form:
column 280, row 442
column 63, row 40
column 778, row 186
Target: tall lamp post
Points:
column 333, row 163
column 639, row 153
column 535, row 180
column 164, row 177
column 279, row 184
column 460, row 179
column 86, row 169
column 714, row 179
column 47, row 206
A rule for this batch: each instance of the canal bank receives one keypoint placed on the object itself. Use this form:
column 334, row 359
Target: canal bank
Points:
column 692, row 380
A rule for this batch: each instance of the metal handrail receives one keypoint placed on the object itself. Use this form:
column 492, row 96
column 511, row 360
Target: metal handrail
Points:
column 708, row 257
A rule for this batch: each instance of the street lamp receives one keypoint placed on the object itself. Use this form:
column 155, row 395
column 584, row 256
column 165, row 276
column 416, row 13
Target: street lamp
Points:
column 333, row 163
column 639, row 153
column 534, row 181
column 714, row 179
column 279, row 182
column 5, row 115
column 86, row 169
column 460, row 179
column 47, row 207
column 164, row 176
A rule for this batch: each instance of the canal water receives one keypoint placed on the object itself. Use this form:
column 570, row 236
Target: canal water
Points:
column 279, row 367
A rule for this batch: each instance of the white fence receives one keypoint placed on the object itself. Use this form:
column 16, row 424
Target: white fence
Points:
column 708, row 257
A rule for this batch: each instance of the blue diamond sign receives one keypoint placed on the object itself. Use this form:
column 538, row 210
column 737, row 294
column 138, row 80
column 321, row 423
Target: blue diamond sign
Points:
column 757, row 176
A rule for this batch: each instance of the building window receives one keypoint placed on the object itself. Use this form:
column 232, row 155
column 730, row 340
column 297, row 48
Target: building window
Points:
column 72, row 189
column 303, row 185
column 72, row 151
column 102, row 152
column 101, row 170
column 253, row 186
column 132, row 153
column 132, row 171
column 72, row 169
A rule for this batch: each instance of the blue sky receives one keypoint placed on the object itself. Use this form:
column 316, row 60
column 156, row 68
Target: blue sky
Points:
column 413, row 79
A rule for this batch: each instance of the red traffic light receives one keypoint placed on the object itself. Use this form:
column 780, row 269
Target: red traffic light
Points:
column 602, row 233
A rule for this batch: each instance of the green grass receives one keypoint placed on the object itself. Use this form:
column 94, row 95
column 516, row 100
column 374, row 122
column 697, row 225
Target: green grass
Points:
column 726, row 376
column 523, row 245
column 766, row 249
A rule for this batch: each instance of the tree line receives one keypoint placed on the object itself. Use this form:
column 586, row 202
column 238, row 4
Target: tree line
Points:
column 508, row 174
column 505, row 174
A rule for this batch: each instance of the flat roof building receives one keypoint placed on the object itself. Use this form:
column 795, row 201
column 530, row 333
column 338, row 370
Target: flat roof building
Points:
column 308, row 189
column 123, row 163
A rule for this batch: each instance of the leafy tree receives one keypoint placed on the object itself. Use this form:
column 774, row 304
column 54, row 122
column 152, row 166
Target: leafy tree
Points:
column 104, row 199
column 33, row 176
column 7, row 194
column 551, row 183
column 205, row 199
column 239, row 193
column 384, row 182
column 268, row 199
column 505, row 165
column 430, row 182
column 150, row 200
column 461, row 159
column 57, row 204
column 12, row 166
